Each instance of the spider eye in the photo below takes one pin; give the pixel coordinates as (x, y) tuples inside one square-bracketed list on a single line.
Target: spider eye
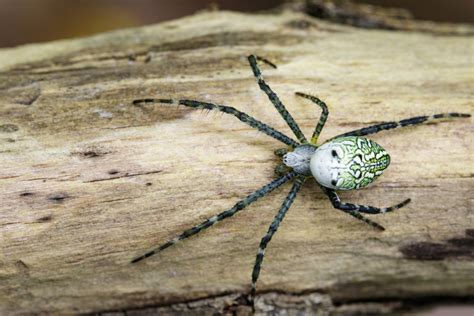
[(334, 182), (334, 153)]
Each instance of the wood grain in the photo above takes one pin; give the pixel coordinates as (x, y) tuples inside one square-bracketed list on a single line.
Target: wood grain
[(89, 181)]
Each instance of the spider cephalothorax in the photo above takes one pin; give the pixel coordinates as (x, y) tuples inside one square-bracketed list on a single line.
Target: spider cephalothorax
[(345, 162)]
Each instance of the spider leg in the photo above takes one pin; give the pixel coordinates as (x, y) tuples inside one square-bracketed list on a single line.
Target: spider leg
[(356, 210), (266, 61), (271, 230), (322, 118), (274, 98), (406, 122), (262, 127), (219, 217)]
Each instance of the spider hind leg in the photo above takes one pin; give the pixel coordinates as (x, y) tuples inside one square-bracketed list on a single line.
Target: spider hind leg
[(355, 210)]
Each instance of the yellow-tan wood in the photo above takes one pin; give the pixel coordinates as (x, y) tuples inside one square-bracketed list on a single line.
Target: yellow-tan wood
[(89, 181)]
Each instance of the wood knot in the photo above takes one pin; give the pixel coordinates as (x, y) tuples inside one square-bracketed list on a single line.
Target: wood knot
[(58, 197)]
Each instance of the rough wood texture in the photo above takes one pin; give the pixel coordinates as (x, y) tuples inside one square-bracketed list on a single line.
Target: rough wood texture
[(89, 181)]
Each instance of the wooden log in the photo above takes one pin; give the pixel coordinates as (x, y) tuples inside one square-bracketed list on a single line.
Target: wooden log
[(89, 181)]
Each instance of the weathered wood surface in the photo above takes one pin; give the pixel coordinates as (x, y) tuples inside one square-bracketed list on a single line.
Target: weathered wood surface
[(89, 181)]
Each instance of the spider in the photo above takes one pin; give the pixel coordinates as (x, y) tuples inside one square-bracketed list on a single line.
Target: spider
[(345, 162)]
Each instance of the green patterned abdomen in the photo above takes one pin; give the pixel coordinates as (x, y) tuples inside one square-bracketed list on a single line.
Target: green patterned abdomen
[(348, 163)]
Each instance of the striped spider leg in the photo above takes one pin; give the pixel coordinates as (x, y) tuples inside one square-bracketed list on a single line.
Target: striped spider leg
[(272, 230), (403, 123), (345, 162), (274, 98), (252, 197)]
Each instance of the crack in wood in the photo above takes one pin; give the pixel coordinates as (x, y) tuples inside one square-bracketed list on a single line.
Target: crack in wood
[(126, 175), (455, 248)]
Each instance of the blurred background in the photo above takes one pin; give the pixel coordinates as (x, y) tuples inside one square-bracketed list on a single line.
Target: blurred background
[(28, 21)]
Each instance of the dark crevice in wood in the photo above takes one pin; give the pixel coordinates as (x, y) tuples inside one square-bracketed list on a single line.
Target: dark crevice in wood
[(454, 248)]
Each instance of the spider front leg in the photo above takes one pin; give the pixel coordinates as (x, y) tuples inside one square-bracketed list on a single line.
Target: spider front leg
[(274, 98), (271, 231), (322, 118), (356, 210), (243, 117), (403, 123)]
